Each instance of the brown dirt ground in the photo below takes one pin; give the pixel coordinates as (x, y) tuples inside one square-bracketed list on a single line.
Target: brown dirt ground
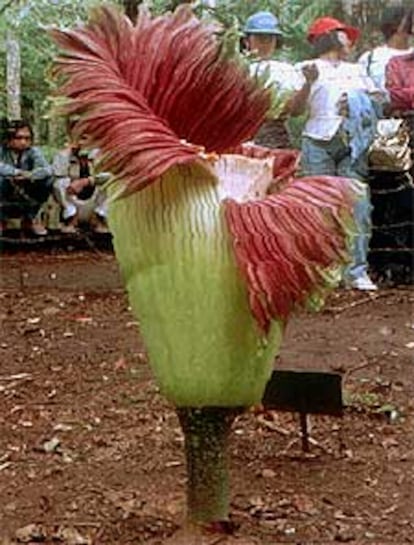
[(90, 453)]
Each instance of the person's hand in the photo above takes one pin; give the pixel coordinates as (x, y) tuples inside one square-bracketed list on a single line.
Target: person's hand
[(310, 72), (76, 186), (342, 104)]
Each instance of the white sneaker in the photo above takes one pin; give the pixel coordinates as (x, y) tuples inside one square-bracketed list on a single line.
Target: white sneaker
[(363, 283)]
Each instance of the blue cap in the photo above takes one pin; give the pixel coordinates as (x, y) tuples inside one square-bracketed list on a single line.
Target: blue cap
[(263, 22)]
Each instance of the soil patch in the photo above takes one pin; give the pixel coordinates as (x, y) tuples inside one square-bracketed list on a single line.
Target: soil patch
[(91, 453)]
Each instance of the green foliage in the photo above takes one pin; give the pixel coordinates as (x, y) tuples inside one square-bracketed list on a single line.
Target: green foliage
[(29, 20), (3, 92), (295, 16), (49, 152)]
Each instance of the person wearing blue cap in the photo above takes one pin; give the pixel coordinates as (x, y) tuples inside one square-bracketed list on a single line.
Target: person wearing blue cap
[(263, 36)]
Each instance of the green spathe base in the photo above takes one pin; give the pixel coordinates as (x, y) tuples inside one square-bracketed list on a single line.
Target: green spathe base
[(184, 286)]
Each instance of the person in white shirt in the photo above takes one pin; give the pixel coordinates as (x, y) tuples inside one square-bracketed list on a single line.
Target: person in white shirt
[(340, 126), (78, 187), (263, 37), (396, 27)]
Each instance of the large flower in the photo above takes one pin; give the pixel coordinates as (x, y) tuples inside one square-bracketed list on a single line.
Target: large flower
[(213, 264)]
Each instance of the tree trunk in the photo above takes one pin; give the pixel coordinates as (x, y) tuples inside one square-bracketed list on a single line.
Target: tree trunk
[(13, 76), (206, 433)]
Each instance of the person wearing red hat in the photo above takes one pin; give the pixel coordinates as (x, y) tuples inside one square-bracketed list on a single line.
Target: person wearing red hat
[(326, 25), (340, 125)]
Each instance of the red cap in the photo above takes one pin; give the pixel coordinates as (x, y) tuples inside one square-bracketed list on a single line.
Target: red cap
[(323, 25)]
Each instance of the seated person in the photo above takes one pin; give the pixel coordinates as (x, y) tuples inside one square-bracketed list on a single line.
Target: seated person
[(77, 190), (25, 179)]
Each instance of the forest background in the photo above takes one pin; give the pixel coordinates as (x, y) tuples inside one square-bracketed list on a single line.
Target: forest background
[(27, 52)]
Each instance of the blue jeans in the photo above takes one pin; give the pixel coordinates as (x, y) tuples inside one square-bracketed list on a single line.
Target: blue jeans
[(333, 158)]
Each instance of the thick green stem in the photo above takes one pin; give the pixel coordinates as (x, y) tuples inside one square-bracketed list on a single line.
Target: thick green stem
[(206, 433)]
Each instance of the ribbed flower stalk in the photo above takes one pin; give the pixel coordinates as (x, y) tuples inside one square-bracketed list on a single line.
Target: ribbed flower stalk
[(206, 433)]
